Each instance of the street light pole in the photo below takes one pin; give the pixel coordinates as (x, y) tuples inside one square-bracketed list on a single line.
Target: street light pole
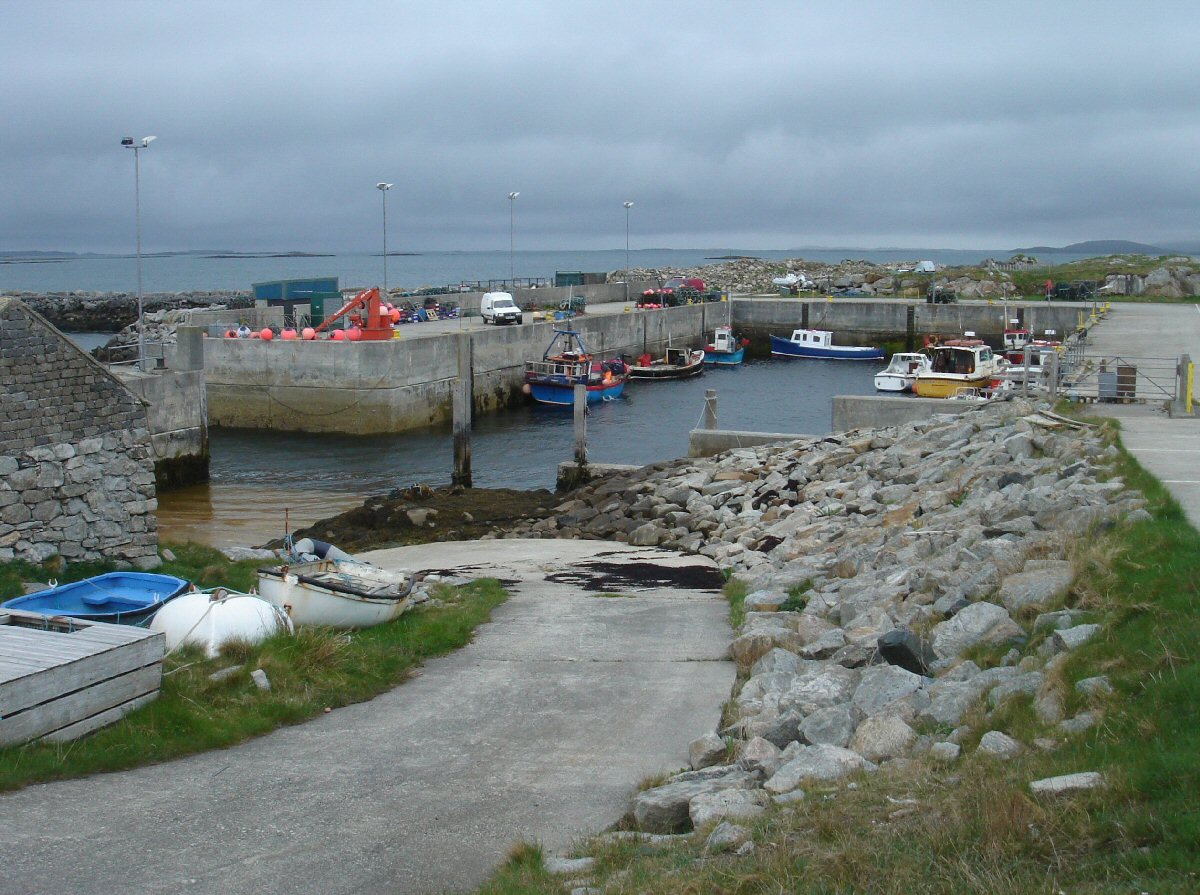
[(628, 205), (137, 146), (383, 191), (512, 278)]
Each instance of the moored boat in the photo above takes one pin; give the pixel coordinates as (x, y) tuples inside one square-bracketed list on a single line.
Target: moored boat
[(958, 365), (336, 592), (677, 363), (818, 343), (725, 350), (123, 598), (211, 619), (901, 372), (566, 363)]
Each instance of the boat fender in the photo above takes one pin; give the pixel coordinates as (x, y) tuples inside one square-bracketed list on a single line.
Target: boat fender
[(320, 549)]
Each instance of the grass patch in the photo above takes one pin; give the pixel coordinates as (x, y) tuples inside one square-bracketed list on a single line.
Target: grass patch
[(735, 591), (316, 669), (608, 595)]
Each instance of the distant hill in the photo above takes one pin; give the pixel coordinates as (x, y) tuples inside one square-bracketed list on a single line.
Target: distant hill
[(1098, 247)]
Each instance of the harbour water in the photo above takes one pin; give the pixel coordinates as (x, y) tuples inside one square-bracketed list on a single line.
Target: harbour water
[(256, 476), (175, 273)]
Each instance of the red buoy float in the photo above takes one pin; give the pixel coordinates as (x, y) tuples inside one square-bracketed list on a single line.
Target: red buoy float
[(338, 335), (308, 333), (354, 334), (266, 335), (287, 334)]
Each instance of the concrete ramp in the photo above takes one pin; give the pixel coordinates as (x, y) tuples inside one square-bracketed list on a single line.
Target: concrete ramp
[(537, 730)]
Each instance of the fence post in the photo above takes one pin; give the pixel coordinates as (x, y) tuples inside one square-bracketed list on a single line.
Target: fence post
[(1184, 386), (581, 426), (710, 408), (1052, 380)]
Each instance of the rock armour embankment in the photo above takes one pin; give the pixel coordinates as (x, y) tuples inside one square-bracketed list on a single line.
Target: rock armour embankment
[(895, 552), (113, 311)]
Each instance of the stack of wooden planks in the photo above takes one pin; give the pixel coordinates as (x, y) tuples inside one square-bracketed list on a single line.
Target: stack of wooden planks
[(62, 677)]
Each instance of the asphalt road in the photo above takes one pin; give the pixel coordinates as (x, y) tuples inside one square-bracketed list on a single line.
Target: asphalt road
[(537, 730)]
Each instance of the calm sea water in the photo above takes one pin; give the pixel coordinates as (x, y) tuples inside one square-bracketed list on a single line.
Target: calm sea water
[(257, 475), (192, 272)]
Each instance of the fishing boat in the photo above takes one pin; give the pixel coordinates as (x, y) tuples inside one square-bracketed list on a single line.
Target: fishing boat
[(567, 363), (958, 365), (212, 618), (901, 372), (123, 598), (725, 350), (339, 593), (818, 343), (1038, 353), (677, 363)]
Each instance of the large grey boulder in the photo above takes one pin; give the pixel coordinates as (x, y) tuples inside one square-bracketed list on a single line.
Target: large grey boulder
[(726, 836), (977, 623), (831, 726), (761, 755), (882, 737), (815, 763), (1073, 638), (775, 661), (907, 650), (1046, 582), (881, 686), (1054, 786), (729, 804), (999, 745), (829, 687), (664, 809), (706, 751), (1025, 684)]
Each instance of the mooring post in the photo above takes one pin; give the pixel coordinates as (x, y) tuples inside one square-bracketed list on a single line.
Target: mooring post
[(710, 408), (1184, 387), (461, 397), (581, 426), (1025, 373), (1052, 376)]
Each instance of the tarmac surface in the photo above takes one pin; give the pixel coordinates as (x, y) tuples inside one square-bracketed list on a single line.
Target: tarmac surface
[(1167, 446), (538, 730)]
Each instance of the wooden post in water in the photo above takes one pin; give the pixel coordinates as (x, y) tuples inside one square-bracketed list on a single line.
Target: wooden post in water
[(462, 391), (581, 426), (710, 408)]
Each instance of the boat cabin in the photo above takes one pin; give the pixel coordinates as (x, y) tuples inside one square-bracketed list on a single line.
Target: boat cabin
[(679, 357), (723, 341), (1015, 339), (907, 363), (814, 338), (960, 360)]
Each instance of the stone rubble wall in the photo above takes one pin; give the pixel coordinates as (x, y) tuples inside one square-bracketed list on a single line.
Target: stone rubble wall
[(1162, 282), (877, 561), (76, 475)]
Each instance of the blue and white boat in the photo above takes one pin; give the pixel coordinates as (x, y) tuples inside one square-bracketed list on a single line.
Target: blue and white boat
[(818, 343), (123, 598), (566, 363), (725, 350)]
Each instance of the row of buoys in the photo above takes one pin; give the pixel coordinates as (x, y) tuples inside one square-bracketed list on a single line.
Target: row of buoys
[(266, 334)]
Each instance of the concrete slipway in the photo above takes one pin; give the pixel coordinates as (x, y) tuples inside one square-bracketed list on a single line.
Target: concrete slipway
[(537, 730)]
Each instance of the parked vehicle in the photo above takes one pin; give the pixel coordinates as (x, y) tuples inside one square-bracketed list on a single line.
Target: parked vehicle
[(498, 308), (124, 598), (818, 343)]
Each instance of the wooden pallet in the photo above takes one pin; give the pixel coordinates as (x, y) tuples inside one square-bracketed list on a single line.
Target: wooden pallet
[(61, 678)]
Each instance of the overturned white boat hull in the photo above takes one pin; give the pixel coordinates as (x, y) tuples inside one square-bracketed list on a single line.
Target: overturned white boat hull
[(337, 593), (212, 619)]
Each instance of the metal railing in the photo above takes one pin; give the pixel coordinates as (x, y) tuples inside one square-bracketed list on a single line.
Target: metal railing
[(1122, 379)]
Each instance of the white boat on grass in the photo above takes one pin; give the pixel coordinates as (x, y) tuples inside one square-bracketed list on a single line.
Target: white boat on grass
[(212, 618), (340, 593), (901, 372)]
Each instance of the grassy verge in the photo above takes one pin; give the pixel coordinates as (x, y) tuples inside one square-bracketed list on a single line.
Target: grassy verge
[(916, 827), (310, 672)]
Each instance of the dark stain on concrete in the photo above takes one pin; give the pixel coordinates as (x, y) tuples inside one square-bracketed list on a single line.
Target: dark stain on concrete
[(611, 576)]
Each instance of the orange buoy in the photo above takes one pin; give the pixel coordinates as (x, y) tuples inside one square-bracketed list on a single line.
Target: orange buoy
[(288, 334), (354, 334), (395, 315), (266, 335), (230, 334), (338, 335), (308, 333)]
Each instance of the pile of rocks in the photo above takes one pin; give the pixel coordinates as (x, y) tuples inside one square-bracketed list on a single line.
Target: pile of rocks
[(1179, 281), (875, 561), (849, 277), (110, 311)]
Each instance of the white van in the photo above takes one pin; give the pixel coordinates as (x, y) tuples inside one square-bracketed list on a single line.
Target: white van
[(499, 307)]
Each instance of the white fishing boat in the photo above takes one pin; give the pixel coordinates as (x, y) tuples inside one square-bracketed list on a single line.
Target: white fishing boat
[(959, 365), (901, 372), (340, 593)]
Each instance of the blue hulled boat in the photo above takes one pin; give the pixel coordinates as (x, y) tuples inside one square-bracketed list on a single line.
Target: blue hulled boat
[(124, 598), (818, 343), (726, 350), (566, 363)]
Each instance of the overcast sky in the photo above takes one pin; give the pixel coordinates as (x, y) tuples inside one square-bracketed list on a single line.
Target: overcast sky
[(771, 124)]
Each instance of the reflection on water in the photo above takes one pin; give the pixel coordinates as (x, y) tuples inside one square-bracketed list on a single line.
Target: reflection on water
[(256, 475)]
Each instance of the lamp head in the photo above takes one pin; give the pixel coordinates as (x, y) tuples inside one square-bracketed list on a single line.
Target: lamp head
[(513, 195), (128, 141), (629, 205), (146, 141), (383, 186)]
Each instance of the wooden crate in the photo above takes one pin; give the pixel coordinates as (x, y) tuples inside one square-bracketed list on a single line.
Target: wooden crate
[(61, 678)]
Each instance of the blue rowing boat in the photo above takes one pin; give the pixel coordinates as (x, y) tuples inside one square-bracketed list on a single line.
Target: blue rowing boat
[(566, 363), (818, 343), (123, 598)]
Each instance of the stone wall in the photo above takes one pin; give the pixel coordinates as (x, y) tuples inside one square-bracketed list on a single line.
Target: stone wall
[(76, 477)]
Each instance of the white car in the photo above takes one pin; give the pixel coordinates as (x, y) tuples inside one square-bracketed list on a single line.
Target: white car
[(498, 307)]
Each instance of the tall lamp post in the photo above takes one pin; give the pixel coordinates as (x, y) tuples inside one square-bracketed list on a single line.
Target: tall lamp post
[(383, 191), (628, 205), (512, 279), (137, 146)]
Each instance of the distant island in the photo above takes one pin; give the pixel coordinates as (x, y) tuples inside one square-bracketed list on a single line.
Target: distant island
[(1097, 247)]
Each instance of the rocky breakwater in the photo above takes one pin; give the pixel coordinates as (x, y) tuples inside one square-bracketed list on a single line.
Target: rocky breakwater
[(112, 311), (1172, 281), (905, 584), (849, 277)]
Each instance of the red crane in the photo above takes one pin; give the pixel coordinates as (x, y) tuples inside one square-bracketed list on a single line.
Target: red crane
[(375, 323)]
